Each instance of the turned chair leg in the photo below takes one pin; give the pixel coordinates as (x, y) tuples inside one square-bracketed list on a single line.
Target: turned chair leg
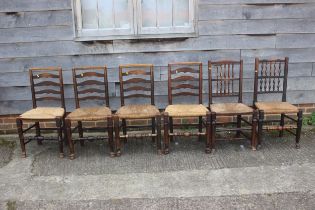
[(254, 131), (208, 133), (238, 125), (70, 141), (213, 129), (80, 130), (298, 129), (117, 136), (124, 127), (200, 128), (153, 128), (281, 124), (110, 136), (171, 128), (19, 125), (260, 125), (166, 133), (60, 139), (158, 139), (38, 134)]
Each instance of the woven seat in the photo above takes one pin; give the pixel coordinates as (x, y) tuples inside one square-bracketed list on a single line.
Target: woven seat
[(43, 113), (137, 111), (186, 110), (90, 114), (276, 107), (231, 108)]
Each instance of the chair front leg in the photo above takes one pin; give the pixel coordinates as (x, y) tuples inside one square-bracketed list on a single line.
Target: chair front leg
[(238, 125), (117, 136), (37, 127), (200, 128), (153, 128), (19, 125), (80, 130), (124, 127), (208, 133), (158, 139), (166, 133), (110, 136), (171, 129), (298, 129), (254, 131), (70, 141), (60, 139), (281, 125), (213, 129), (260, 125)]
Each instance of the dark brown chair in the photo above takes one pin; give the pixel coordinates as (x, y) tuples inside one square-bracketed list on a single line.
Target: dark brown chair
[(185, 80), (46, 85), (90, 85), (137, 82), (271, 78), (226, 81)]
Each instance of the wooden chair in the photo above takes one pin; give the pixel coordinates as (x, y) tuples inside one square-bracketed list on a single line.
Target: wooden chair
[(226, 81), (46, 85), (185, 80), (137, 81), (271, 78), (87, 81)]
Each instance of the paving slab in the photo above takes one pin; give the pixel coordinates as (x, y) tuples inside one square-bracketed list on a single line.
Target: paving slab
[(277, 176)]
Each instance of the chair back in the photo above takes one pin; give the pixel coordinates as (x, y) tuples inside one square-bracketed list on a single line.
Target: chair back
[(271, 77), (136, 81), (225, 79), (185, 79), (47, 85), (90, 83)]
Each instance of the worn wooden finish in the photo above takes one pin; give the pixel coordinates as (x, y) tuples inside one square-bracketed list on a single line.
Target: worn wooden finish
[(271, 77), (44, 94), (222, 78), (84, 81), (178, 75), (137, 82)]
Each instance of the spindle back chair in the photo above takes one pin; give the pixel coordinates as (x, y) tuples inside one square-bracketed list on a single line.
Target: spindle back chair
[(271, 77), (226, 81)]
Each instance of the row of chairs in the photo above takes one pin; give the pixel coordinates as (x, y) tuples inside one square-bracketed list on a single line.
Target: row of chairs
[(185, 81)]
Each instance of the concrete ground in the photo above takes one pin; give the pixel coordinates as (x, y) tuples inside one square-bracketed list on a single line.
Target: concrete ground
[(277, 176)]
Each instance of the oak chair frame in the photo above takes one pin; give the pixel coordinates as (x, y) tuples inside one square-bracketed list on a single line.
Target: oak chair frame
[(270, 83), (168, 121), (156, 121), (86, 73), (226, 76), (49, 73)]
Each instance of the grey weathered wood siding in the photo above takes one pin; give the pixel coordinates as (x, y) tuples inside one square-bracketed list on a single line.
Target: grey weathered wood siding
[(39, 33)]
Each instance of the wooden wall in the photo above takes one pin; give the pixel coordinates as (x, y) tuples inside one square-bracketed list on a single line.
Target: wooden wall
[(39, 33)]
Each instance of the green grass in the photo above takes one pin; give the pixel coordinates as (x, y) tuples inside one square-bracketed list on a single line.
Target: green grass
[(309, 120)]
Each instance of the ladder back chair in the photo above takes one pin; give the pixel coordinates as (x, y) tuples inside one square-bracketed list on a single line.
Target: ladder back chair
[(185, 79), (271, 78), (46, 86), (90, 85), (136, 83), (226, 81)]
